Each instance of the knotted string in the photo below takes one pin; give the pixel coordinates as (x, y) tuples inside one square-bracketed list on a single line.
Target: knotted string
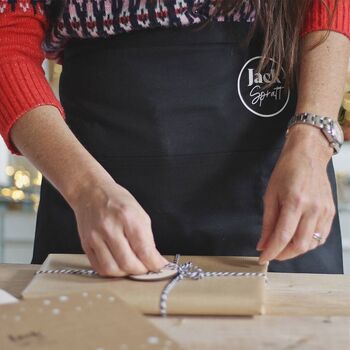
[(190, 271), (184, 271)]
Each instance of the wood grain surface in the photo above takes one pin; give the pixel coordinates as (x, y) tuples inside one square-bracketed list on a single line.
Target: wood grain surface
[(303, 311)]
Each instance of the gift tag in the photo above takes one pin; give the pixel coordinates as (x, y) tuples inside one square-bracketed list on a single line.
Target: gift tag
[(165, 273)]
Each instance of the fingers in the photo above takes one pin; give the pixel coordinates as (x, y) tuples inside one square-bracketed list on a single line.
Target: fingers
[(302, 239), (116, 233), (112, 256), (123, 254), (92, 258), (141, 240), (269, 221), (326, 221), (286, 225), (315, 220), (101, 258), (323, 226), (314, 243)]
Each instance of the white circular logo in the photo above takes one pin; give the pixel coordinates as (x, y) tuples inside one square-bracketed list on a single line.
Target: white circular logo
[(263, 103)]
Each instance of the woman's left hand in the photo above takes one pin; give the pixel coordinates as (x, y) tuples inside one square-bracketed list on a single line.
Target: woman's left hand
[(298, 200)]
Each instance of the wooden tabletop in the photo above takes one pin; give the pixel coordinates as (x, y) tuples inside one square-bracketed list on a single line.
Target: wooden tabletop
[(303, 311)]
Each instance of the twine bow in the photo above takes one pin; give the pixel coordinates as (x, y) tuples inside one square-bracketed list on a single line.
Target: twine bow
[(190, 271)]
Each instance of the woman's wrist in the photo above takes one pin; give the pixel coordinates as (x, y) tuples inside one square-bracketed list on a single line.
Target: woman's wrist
[(310, 141), (87, 181)]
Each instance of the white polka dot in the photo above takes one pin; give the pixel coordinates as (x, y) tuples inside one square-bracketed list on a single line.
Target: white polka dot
[(56, 311), (123, 347), (78, 308), (98, 296), (111, 299), (63, 298), (46, 302), (17, 318), (85, 294), (100, 349), (153, 340)]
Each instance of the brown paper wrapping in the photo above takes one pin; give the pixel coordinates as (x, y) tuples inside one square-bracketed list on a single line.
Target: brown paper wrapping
[(80, 321), (208, 296)]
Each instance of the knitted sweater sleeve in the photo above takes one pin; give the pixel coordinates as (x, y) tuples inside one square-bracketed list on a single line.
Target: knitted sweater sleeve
[(23, 85), (317, 17)]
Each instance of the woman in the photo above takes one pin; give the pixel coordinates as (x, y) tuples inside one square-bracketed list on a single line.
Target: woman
[(174, 140)]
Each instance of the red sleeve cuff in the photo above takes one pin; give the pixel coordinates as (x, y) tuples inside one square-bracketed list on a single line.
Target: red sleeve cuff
[(23, 87), (317, 17)]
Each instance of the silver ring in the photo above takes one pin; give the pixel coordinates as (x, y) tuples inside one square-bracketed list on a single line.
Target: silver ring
[(317, 236)]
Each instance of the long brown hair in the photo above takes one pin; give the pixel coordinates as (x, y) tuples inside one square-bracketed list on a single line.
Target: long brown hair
[(282, 22)]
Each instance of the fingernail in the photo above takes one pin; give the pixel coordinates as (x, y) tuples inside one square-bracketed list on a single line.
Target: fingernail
[(262, 261), (262, 257)]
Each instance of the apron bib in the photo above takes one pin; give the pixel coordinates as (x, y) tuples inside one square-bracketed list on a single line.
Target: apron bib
[(178, 117)]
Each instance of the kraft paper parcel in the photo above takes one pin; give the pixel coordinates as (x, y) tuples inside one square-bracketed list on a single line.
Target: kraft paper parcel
[(226, 295), (81, 321)]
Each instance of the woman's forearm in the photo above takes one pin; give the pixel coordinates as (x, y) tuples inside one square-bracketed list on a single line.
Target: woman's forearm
[(322, 74), (114, 230), (298, 201), (43, 137)]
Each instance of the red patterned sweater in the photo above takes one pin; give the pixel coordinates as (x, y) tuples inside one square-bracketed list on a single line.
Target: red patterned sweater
[(26, 38)]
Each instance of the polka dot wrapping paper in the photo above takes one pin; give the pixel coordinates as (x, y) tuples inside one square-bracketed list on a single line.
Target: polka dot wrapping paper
[(94, 320)]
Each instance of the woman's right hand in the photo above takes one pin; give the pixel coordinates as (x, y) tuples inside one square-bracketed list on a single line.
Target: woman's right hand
[(115, 231)]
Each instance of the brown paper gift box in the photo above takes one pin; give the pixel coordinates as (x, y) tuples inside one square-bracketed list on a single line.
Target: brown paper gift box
[(231, 295), (80, 321)]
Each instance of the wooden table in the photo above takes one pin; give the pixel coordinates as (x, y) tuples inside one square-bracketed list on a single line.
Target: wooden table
[(304, 311)]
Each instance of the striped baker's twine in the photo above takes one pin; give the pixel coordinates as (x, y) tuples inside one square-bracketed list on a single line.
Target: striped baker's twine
[(69, 272), (186, 270), (190, 271)]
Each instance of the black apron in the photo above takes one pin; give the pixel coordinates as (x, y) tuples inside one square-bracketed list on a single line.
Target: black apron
[(177, 116)]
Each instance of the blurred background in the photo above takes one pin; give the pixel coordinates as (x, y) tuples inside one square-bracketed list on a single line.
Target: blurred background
[(20, 187)]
